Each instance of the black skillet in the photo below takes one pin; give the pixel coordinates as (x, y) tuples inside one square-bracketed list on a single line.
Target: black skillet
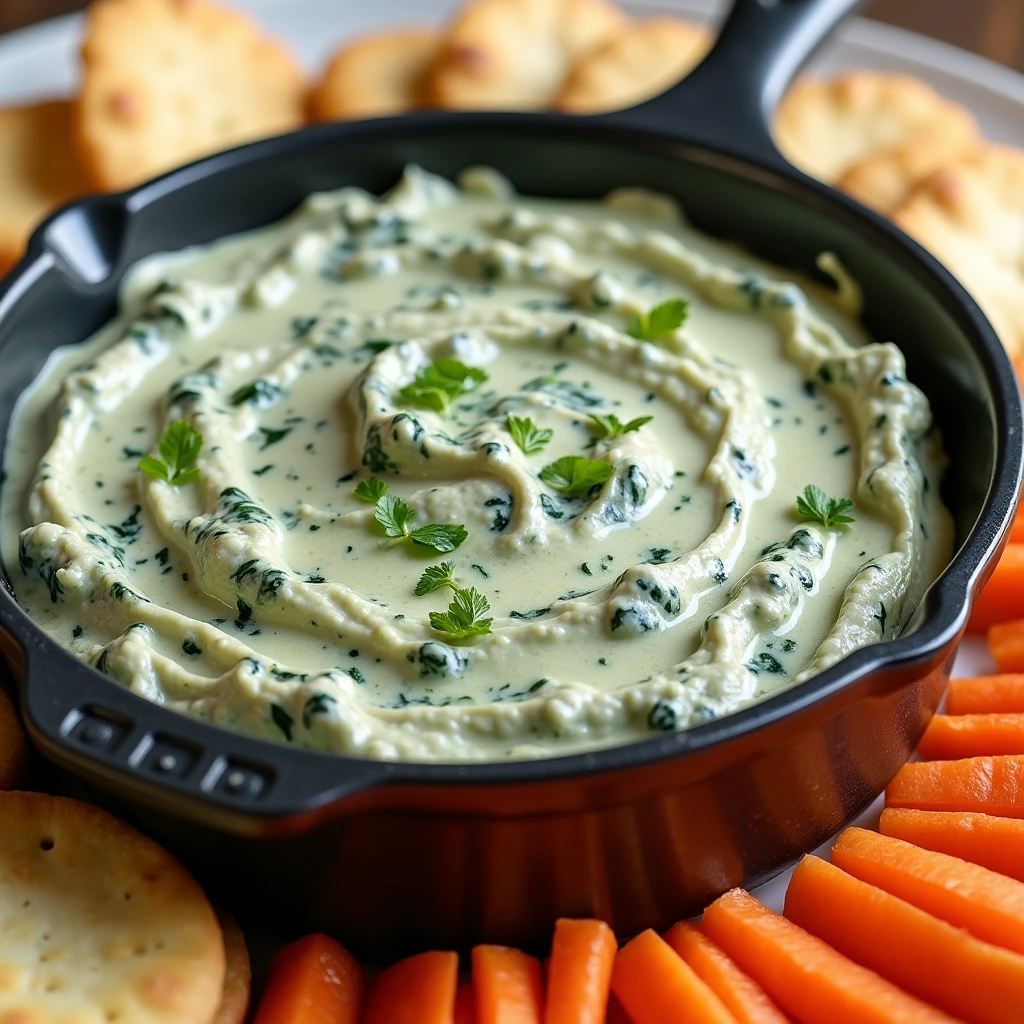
[(393, 856)]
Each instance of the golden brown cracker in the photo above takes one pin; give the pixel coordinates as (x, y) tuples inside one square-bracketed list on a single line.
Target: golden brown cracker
[(13, 749), (38, 171), (98, 923), (517, 54), (376, 75), (828, 126), (637, 63), (971, 216), (234, 1004), (167, 81)]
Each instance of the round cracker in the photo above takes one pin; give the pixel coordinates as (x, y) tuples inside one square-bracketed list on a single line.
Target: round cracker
[(99, 924), (38, 171), (827, 127), (517, 54), (13, 748), (377, 75), (638, 63), (168, 81), (971, 216), (234, 1004)]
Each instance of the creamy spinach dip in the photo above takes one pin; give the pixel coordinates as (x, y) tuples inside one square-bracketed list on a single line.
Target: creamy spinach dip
[(593, 421)]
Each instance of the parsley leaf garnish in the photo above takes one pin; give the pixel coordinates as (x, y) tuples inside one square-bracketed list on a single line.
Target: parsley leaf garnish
[(396, 517), (611, 426), (815, 506), (663, 319), (527, 435), (435, 577), (464, 617), (180, 445), (436, 386), (371, 490), (574, 476)]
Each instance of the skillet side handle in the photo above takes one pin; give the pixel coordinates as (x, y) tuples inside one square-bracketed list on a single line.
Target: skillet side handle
[(727, 101)]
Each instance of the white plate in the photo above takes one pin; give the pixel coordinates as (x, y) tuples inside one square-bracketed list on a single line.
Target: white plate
[(41, 61)]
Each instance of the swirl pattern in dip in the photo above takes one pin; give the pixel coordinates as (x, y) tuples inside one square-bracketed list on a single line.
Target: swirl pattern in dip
[(263, 595)]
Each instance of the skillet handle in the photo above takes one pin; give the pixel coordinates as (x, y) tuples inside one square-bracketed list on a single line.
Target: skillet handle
[(727, 101)]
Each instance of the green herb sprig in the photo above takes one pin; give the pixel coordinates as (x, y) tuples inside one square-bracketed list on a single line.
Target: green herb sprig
[(661, 320), (396, 517), (438, 385), (180, 445), (815, 506), (371, 490), (575, 476), (465, 615), (610, 427), (527, 435), (435, 577)]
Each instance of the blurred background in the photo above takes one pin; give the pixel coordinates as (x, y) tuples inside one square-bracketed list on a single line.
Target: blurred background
[(993, 28)]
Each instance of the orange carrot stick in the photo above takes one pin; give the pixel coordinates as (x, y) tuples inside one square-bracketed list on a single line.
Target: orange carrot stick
[(656, 986), (989, 906), (419, 990), (507, 986), (580, 972), (1006, 645), (991, 785), (312, 981), (994, 843), (986, 695), (1017, 531), (465, 1005), (742, 996), (1003, 596), (805, 977), (926, 957), (954, 736)]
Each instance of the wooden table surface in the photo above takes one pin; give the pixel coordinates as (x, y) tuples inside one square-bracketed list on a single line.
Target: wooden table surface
[(994, 28)]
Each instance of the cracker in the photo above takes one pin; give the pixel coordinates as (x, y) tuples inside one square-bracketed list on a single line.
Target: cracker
[(12, 743), (897, 125), (517, 54), (377, 75), (638, 63), (971, 216), (234, 1002), (38, 171), (98, 924), (167, 81)]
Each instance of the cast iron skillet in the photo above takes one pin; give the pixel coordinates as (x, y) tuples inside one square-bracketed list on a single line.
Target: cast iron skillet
[(391, 856)]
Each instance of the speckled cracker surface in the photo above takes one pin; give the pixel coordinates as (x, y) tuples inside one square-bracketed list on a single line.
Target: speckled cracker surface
[(98, 924), (517, 54), (876, 135), (38, 171), (637, 63), (377, 75), (167, 81), (971, 216)]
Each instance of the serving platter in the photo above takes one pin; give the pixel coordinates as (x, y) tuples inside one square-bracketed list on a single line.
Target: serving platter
[(41, 62)]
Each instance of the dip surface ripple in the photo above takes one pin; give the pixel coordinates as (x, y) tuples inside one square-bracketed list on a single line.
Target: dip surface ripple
[(670, 585)]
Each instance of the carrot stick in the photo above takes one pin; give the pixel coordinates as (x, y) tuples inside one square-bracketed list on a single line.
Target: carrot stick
[(507, 985), (1003, 596), (954, 736), (465, 1005), (616, 1014), (991, 785), (1017, 530), (656, 986), (989, 906), (1006, 645), (940, 964), (985, 695), (580, 973), (419, 990), (312, 981), (805, 977), (742, 996), (994, 843)]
